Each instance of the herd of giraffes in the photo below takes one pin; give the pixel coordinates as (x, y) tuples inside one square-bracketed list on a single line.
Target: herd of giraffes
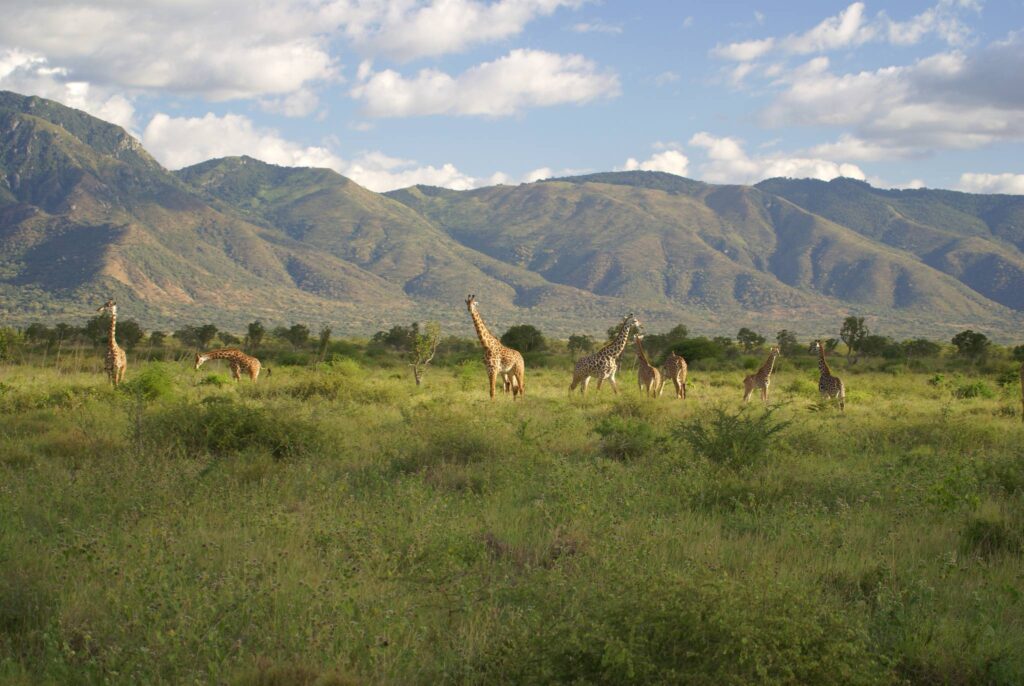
[(501, 360)]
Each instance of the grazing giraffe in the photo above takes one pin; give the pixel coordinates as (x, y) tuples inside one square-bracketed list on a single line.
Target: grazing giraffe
[(498, 359), (674, 368), (237, 360), (647, 375), (115, 362), (828, 385), (762, 378), (605, 362)]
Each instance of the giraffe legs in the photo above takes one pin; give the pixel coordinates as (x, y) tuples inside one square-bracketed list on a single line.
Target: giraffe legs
[(492, 377)]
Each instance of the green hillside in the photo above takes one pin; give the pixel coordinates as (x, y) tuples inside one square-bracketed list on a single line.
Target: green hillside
[(86, 213)]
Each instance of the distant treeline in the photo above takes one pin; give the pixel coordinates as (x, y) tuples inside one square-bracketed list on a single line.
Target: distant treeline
[(299, 344)]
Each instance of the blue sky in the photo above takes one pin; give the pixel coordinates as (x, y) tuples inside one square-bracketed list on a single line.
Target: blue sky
[(464, 93)]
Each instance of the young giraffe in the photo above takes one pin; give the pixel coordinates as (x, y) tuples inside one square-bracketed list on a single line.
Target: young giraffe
[(497, 358), (828, 385), (675, 369), (237, 360), (647, 375), (762, 378), (115, 362), (605, 362)]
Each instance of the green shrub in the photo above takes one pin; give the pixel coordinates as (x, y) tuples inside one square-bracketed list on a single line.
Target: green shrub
[(974, 389), (989, 537), (626, 438), (223, 426), (217, 380), (152, 382), (738, 438)]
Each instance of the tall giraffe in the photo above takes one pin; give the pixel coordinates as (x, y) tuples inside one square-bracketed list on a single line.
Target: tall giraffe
[(237, 361), (647, 375), (674, 368), (828, 385), (605, 362), (115, 362), (498, 359), (762, 378)]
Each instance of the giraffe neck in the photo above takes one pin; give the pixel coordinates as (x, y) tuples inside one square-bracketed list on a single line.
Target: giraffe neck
[(221, 353), (768, 366), (822, 364), (111, 333), (619, 344), (486, 338), (640, 351)]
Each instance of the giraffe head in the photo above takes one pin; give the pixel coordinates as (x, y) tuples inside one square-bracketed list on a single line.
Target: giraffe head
[(816, 346), (110, 306), (630, 321), (775, 350), (471, 302), (200, 359)]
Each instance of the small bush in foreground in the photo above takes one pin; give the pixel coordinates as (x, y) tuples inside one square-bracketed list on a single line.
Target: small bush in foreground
[(153, 382), (626, 438), (975, 389), (738, 438), (990, 537)]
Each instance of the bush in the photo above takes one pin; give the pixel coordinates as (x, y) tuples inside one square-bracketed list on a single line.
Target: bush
[(222, 426), (153, 382), (626, 438), (974, 389), (989, 537), (217, 380), (738, 438)]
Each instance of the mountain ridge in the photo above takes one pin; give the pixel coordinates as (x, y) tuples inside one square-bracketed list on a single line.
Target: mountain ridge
[(85, 211)]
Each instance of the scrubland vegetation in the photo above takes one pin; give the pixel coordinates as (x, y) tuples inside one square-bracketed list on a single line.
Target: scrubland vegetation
[(337, 524)]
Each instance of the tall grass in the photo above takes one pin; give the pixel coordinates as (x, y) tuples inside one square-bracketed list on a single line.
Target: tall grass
[(339, 525)]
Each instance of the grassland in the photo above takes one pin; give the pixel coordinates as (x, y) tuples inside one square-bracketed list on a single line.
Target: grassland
[(336, 524)]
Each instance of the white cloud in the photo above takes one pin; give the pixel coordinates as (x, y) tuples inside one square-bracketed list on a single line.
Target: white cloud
[(31, 74), (992, 183), (665, 78), (301, 103), (729, 163), (181, 141), (671, 161), (406, 30), (851, 28), (521, 79), (380, 172), (241, 50), (946, 101), (597, 27), (745, 51)]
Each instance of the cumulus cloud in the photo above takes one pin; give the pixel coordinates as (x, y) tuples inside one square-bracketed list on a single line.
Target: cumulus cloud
[(671, 161), (992, 183), (852, 27), (301, 103), (946, 101), (181, 141), (406, 30), (521, 79), (241, 50), (727, 162), (32, 74)]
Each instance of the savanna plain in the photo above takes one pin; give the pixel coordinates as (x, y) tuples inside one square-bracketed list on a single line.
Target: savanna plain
[(337, 524)]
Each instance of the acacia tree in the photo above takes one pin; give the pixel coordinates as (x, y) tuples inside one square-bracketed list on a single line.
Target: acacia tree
[(422, 347), (853, 333), (255, 334), (749, 340), (971, 344), (580, 343)]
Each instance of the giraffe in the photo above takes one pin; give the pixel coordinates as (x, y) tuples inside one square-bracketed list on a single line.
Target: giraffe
[(497, 358), (237, 360), (762, 378), (674, 368), (829, 386), (605, 362), (115, 362), (647, 375)]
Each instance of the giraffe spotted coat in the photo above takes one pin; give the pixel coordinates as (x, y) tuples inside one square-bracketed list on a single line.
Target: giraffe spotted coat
[(498, 359), (237, 361), (605, 362)]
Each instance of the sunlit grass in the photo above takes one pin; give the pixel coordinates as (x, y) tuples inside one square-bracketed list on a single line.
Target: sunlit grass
[(341, 523)]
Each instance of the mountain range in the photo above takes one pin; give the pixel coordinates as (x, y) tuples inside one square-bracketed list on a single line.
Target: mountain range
[(86, 214)]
